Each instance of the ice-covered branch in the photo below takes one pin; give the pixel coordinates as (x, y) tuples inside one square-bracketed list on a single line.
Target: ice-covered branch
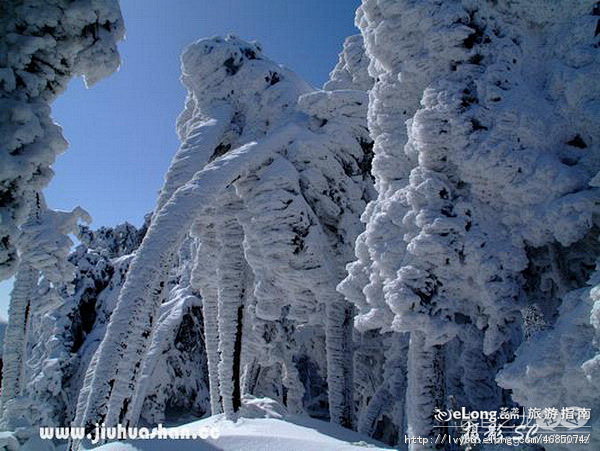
[(44, 247)]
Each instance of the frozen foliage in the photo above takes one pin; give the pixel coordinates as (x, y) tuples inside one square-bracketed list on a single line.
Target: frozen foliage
[(44, 246), (269, 181), (58, 317), (174, 379), (558, 367), (116, 241), (68, 320), (486, 140), (473, 282), (352, 69), (177, 384), (42, 45)]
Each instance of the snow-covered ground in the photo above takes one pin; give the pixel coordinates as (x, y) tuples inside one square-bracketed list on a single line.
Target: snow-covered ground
[(294, 433)]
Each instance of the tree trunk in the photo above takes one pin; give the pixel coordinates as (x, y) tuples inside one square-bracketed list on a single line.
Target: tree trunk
[(338, 336), (425, 389), (15, 341), (231, 293)]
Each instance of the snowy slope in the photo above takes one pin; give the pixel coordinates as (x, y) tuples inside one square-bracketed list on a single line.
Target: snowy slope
[(260, 434)]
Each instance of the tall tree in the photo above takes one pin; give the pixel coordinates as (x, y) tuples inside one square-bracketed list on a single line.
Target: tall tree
[(473, 173), (44, 245), (43, 45), (280, 193)]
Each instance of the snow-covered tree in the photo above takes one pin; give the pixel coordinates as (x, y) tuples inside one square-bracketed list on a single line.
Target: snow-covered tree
[(478, 161), (68, 319), (174, 379), (474, 277), (352, 69), (120, 240), (270, 181), (44, 246), (60, 335), (43, 44)]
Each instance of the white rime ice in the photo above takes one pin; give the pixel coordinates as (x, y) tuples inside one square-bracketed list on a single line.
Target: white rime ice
[(66, 320), (486, 140), (43, 44), (352, 69), (44, 246), (269, 181), (462, 133)]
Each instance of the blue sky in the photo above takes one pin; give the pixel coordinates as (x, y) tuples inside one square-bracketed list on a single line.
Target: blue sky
[(122, 133)]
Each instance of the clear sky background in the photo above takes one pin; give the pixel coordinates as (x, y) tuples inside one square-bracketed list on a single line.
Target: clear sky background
[(122, 131)]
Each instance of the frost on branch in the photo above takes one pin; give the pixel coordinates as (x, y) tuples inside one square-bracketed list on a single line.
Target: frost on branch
[(66, 320), (174, 379), (43, 45), (269, 181), (485, 144), (117, 241), (352, 69), (44, 246), (474, 274)]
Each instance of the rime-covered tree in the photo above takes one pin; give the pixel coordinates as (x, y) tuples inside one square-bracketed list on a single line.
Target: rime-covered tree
[(44, 246), (66, 320), (270, 181), (43, 44), (352, 69), (475, 282), (478, 161)]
